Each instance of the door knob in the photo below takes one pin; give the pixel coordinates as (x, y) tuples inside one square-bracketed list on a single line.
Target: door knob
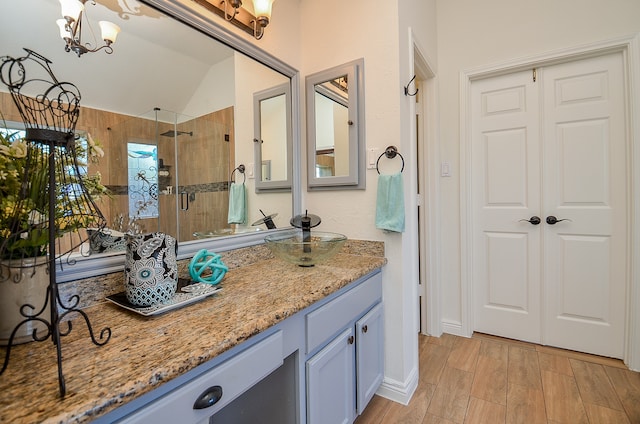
[(552, 220), (534, 220)]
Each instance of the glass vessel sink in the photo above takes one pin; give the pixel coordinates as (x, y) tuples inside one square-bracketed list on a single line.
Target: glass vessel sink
[(292, 246)]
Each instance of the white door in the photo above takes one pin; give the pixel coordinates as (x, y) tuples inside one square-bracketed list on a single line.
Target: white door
[(506, 191), (584, 170), (551, 149)]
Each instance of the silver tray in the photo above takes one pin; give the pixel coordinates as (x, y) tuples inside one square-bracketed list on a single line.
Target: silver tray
[(187, 294)]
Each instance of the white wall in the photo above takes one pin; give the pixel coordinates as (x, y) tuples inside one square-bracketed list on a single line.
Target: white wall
[(473, 34), (252, 77), (273, 132), (215, 92), (379, 35)]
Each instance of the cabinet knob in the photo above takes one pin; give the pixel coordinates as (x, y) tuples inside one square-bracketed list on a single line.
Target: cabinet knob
[(350, 340), (208, 398), (365, 328)]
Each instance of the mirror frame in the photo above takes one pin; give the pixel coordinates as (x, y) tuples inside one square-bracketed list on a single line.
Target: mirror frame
[(79, 267), (356, 179), (260, 184)]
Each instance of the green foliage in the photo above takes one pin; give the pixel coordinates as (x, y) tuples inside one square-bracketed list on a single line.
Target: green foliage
[(23, 195)]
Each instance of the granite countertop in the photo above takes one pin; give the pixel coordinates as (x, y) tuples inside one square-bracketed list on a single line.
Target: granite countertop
[(144, 352)]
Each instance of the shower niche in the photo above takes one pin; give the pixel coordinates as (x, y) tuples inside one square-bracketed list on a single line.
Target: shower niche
[(169, 172)]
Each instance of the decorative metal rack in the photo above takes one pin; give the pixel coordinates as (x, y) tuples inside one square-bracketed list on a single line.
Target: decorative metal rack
[(50, 119)]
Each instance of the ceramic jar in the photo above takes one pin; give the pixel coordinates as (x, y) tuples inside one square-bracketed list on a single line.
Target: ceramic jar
[(23, 282), (150, 269)]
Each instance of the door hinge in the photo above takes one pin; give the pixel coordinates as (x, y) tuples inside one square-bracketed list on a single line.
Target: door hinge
[(535, 74)]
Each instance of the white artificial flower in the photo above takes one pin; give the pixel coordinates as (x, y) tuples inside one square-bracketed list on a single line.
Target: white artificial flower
[(98, 151), (93, 148), (19, 149), (36, 218)]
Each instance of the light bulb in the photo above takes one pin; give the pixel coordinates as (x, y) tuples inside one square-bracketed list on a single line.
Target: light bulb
[(109, 31), (71, 9)]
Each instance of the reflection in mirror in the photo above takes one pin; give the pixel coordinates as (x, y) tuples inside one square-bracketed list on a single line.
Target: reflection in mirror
[(335, 111), (173, 110), (332, 136), (273, 138), (170, 172)]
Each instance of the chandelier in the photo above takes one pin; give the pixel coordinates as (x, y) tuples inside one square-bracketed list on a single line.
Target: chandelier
[(71, 29)]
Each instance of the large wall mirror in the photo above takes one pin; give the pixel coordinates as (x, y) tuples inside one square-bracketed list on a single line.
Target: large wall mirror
[(173, 110), (335, 128)]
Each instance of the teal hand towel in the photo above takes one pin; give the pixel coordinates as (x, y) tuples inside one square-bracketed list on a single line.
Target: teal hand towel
[(390, 203), (237, 204)]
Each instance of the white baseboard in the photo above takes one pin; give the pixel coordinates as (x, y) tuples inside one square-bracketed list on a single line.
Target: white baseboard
[(455, 328), (398, 391)]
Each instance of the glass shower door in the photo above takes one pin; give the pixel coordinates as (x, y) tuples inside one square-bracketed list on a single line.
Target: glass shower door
[(169, 173), (203, 157)]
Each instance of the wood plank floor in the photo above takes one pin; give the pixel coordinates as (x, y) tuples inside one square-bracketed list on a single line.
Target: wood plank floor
[(490, 380)]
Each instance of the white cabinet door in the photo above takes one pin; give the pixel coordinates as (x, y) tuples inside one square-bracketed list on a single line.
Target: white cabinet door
[(331, 382), (369, 356)]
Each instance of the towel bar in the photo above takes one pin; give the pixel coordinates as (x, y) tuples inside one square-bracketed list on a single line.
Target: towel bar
[(240, 169), (390, 152)]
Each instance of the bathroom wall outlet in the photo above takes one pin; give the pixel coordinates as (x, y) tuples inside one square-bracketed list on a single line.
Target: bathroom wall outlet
[(372, 157)]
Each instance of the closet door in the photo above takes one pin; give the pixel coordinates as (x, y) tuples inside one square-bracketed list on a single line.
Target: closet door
[(550, 205), (585, 170), (506, 198)]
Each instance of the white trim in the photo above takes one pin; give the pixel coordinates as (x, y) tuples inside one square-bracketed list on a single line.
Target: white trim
[(632, 54), (398, 391), (453, 327), (630, 47), (466, 301), (430, 215), (410, 261)]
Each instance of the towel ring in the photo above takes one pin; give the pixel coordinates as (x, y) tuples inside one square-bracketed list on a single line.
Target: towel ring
[(240, 169), (390, 152)]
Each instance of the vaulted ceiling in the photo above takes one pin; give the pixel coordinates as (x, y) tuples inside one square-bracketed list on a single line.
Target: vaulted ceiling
[(157, 61)]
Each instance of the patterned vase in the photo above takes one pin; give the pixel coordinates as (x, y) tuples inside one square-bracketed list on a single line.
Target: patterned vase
[(150, 269)]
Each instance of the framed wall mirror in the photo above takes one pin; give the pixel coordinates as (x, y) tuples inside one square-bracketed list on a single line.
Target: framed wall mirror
[(174, 103), (273, 141), (335, 128)]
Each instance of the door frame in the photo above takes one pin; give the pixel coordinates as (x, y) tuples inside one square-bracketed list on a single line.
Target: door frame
[(630, 48), (424, 123)]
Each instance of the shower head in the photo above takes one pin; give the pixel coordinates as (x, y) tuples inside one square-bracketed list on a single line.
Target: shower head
[(172, 133)]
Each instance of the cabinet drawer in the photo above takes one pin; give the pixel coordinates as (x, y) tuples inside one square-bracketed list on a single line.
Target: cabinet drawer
[(234, 376), (329, 319)]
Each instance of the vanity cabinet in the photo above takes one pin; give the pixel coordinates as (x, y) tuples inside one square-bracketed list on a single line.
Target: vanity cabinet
[(344, 374), (321, 365), (198, 399), (369, 356)]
